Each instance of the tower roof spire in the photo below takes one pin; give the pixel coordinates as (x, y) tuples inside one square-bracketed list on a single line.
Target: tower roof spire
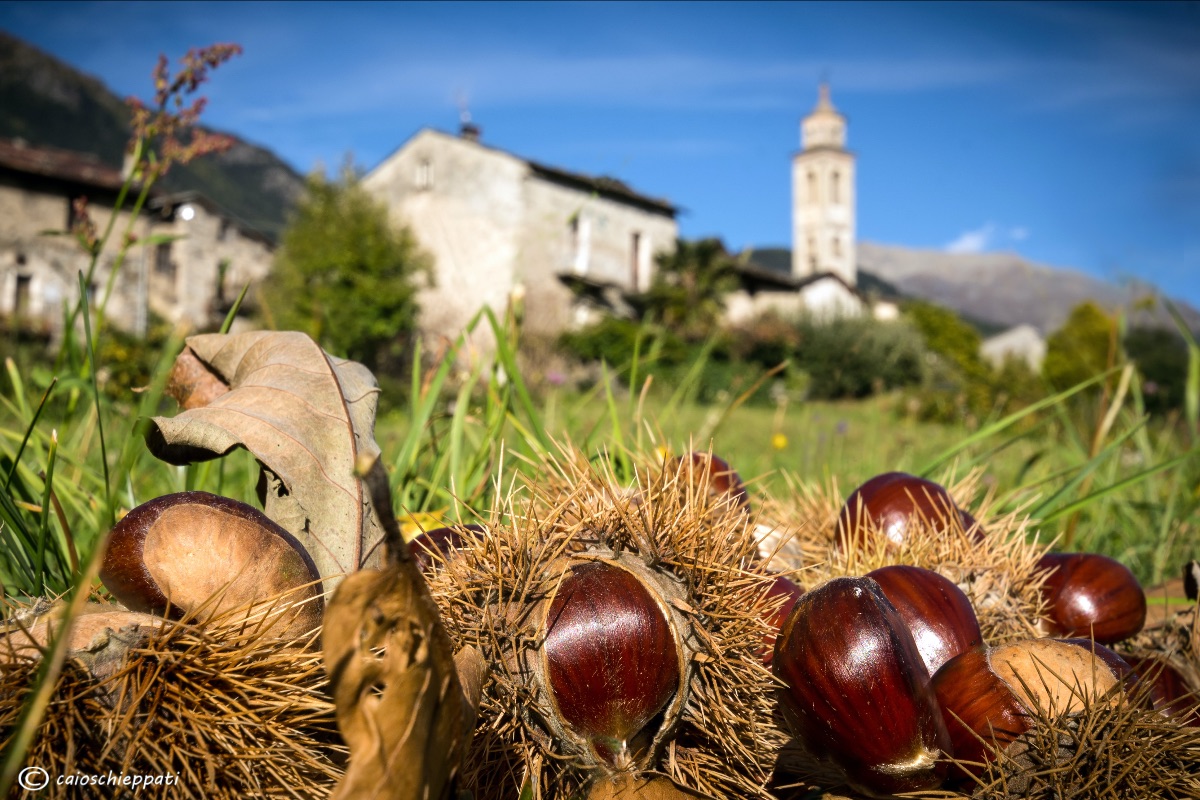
[(824, 103)]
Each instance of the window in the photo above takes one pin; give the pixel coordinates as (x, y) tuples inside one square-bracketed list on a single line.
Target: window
[(581, 235), (812, 254), (812, 186), (223, 230), (635, 259), (835, 186), (163, 265), (424, 174), (21, 296), (73, 204), (837, 247)]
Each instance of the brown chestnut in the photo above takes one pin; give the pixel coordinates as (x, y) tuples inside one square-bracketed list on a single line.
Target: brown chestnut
[(857, 692), (1172, 695), (613, 665), (1092, 595), (786, 588), (178, 552), (892, 502), (938, 613), (433, 547), (989, 697), (712, 474)]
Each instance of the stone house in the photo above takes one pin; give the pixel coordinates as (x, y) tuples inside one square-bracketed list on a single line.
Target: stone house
[(189, 279), (1022, 342), (500, 226)]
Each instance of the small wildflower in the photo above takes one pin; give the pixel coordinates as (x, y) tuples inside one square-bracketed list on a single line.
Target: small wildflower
[(83, 228), (779, 441), (663, 452), (842, 427)]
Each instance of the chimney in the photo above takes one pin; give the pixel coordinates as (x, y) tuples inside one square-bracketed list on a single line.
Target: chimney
[(469, 131)]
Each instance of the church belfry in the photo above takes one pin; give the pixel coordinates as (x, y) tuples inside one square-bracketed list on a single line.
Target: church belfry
[(823, 195)]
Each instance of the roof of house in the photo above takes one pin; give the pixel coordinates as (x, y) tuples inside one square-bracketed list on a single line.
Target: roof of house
[(173, 201), (65, 165), (602, 185)]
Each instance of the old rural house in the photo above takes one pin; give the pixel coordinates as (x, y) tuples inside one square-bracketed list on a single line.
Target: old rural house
[(498, 224), (190, 279)]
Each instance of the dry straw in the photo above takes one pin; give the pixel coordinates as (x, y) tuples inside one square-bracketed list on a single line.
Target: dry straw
[(226, 708)]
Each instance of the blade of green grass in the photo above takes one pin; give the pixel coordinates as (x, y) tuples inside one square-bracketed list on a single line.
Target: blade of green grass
[(1132, 480)]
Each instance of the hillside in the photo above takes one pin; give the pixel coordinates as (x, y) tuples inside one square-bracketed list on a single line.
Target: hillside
[(1004, 289), (47, 102)]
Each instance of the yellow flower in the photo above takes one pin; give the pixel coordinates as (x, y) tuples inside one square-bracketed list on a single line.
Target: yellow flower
[(663, 452), (778, 441)]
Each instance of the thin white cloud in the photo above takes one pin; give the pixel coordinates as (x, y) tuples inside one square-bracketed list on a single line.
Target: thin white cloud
[(1018, 233), (974, 241)]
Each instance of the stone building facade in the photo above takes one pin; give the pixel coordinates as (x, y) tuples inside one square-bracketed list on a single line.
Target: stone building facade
[(190, 279), (496, 224)]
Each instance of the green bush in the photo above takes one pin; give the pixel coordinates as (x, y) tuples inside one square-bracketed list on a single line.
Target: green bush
[(856, 357), (1161, 356), (1081, 348)]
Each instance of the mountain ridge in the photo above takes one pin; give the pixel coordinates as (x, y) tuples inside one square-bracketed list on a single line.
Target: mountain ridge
[(47, 102)]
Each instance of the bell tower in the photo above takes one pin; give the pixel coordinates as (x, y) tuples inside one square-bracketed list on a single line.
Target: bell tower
[(823, 195)]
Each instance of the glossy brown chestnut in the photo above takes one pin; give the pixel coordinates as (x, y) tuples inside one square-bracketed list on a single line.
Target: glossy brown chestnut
[(431, 548), (1172, 695), (714, 474), (857, 691), (937, 612), (175, 553), (989, 697), (893, 504), (612, 660), (1093, 596), (790, 591)]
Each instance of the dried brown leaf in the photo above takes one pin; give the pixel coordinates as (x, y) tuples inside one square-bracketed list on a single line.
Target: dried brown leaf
[(305, 415), (400, 706)]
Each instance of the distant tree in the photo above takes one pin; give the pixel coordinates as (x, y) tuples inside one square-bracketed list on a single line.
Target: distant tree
[(345, 274), (1081, 348), (947, 335), (688, 292)]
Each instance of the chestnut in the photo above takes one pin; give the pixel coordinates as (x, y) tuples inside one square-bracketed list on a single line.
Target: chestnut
[(936, 611), (857, 692), (433, 547), (176, 553), (712, 474), (989, 697), (1172, 695), (612, 663), (890, 504), (1091, 595), (790, 591)]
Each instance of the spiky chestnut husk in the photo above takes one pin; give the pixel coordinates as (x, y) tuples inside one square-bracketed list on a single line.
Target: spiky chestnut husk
[(857, 692), (894, 505), (1088, 594), (494, 593), (997, 572), (1110, 747), (167, 710), (937, 612), (991, 696), (712, 474), (431, 548), (616, 658)]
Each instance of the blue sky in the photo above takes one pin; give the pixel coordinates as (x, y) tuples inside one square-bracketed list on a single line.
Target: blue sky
[(1069, 133)]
